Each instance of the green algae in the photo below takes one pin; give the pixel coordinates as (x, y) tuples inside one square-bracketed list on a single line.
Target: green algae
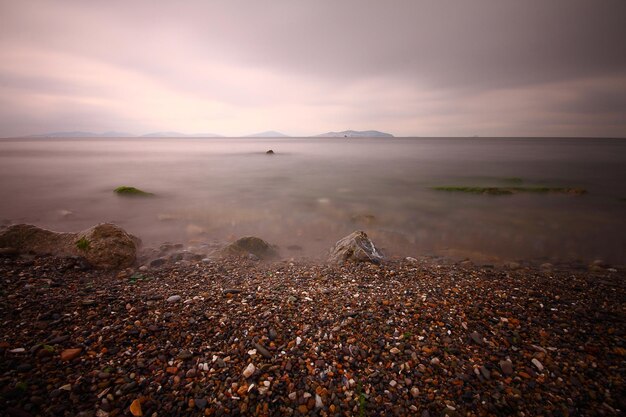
[(512, 190), (131, 191)]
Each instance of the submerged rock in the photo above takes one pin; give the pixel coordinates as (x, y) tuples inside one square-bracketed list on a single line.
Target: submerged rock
[(355, 247), (250, 245), (105, 246)]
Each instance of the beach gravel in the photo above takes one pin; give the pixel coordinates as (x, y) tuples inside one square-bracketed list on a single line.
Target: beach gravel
[(244, 337)]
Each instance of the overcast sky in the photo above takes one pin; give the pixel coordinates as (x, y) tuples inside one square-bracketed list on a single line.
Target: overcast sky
[(411, 68)]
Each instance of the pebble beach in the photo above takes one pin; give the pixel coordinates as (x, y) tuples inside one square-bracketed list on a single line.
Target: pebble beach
[(226, 337)]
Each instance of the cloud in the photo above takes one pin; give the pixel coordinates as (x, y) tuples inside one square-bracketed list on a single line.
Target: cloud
[(487, 67)]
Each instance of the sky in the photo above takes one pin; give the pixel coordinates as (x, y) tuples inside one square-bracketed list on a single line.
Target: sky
[(410, 68)]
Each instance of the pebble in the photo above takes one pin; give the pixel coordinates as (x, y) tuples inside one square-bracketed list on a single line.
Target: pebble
[(477, 338), (318, 401), (174, 298), (200, 403), (485, 372), (69, 354), (262, 350), (184, 355), (272, 334), (507, 367), (537, 364), (158, 262), (250, 369)]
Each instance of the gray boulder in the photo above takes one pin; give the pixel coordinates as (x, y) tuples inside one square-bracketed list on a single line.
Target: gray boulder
[(104, 246), (250, 245), (355, 247)]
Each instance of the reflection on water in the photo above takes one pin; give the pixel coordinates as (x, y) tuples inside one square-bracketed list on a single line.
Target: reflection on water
[(314, 191)]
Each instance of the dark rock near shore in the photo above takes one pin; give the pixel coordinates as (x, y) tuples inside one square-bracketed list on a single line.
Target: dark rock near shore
[(270, 152), (250, 245), (105, 246), (355, 247)]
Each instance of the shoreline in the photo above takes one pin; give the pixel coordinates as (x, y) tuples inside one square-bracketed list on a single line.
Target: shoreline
[(419, 338)]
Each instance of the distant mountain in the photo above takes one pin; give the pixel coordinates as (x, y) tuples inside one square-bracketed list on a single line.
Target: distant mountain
[(356, 134), (163, 135), (268, 134), (205, 135), (75, 134), (179, 135)]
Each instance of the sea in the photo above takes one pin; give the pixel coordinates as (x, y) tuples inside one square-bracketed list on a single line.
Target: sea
[(313, 191)]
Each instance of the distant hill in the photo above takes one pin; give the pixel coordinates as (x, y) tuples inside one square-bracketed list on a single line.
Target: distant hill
[(179, 135), (75, 134), (163, 135), (356, 134), (268, 134), (78, 134)]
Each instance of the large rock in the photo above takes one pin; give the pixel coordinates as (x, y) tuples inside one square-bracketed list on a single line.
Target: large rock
[(104, 246), (355, 247), (250, 245)]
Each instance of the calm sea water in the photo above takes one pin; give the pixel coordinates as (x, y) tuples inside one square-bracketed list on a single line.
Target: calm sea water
[(314, 191)]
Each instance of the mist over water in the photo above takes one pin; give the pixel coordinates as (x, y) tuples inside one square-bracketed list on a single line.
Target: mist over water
[(313, 191)]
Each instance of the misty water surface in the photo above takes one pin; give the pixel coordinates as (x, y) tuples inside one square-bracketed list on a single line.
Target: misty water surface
[(314, 191)]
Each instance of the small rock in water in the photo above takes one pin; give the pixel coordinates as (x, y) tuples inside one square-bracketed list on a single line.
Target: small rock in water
[(174, 299), (250, 369), (270, 152), (17, 350), (394, 350), (143, 268), (538, 364)]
